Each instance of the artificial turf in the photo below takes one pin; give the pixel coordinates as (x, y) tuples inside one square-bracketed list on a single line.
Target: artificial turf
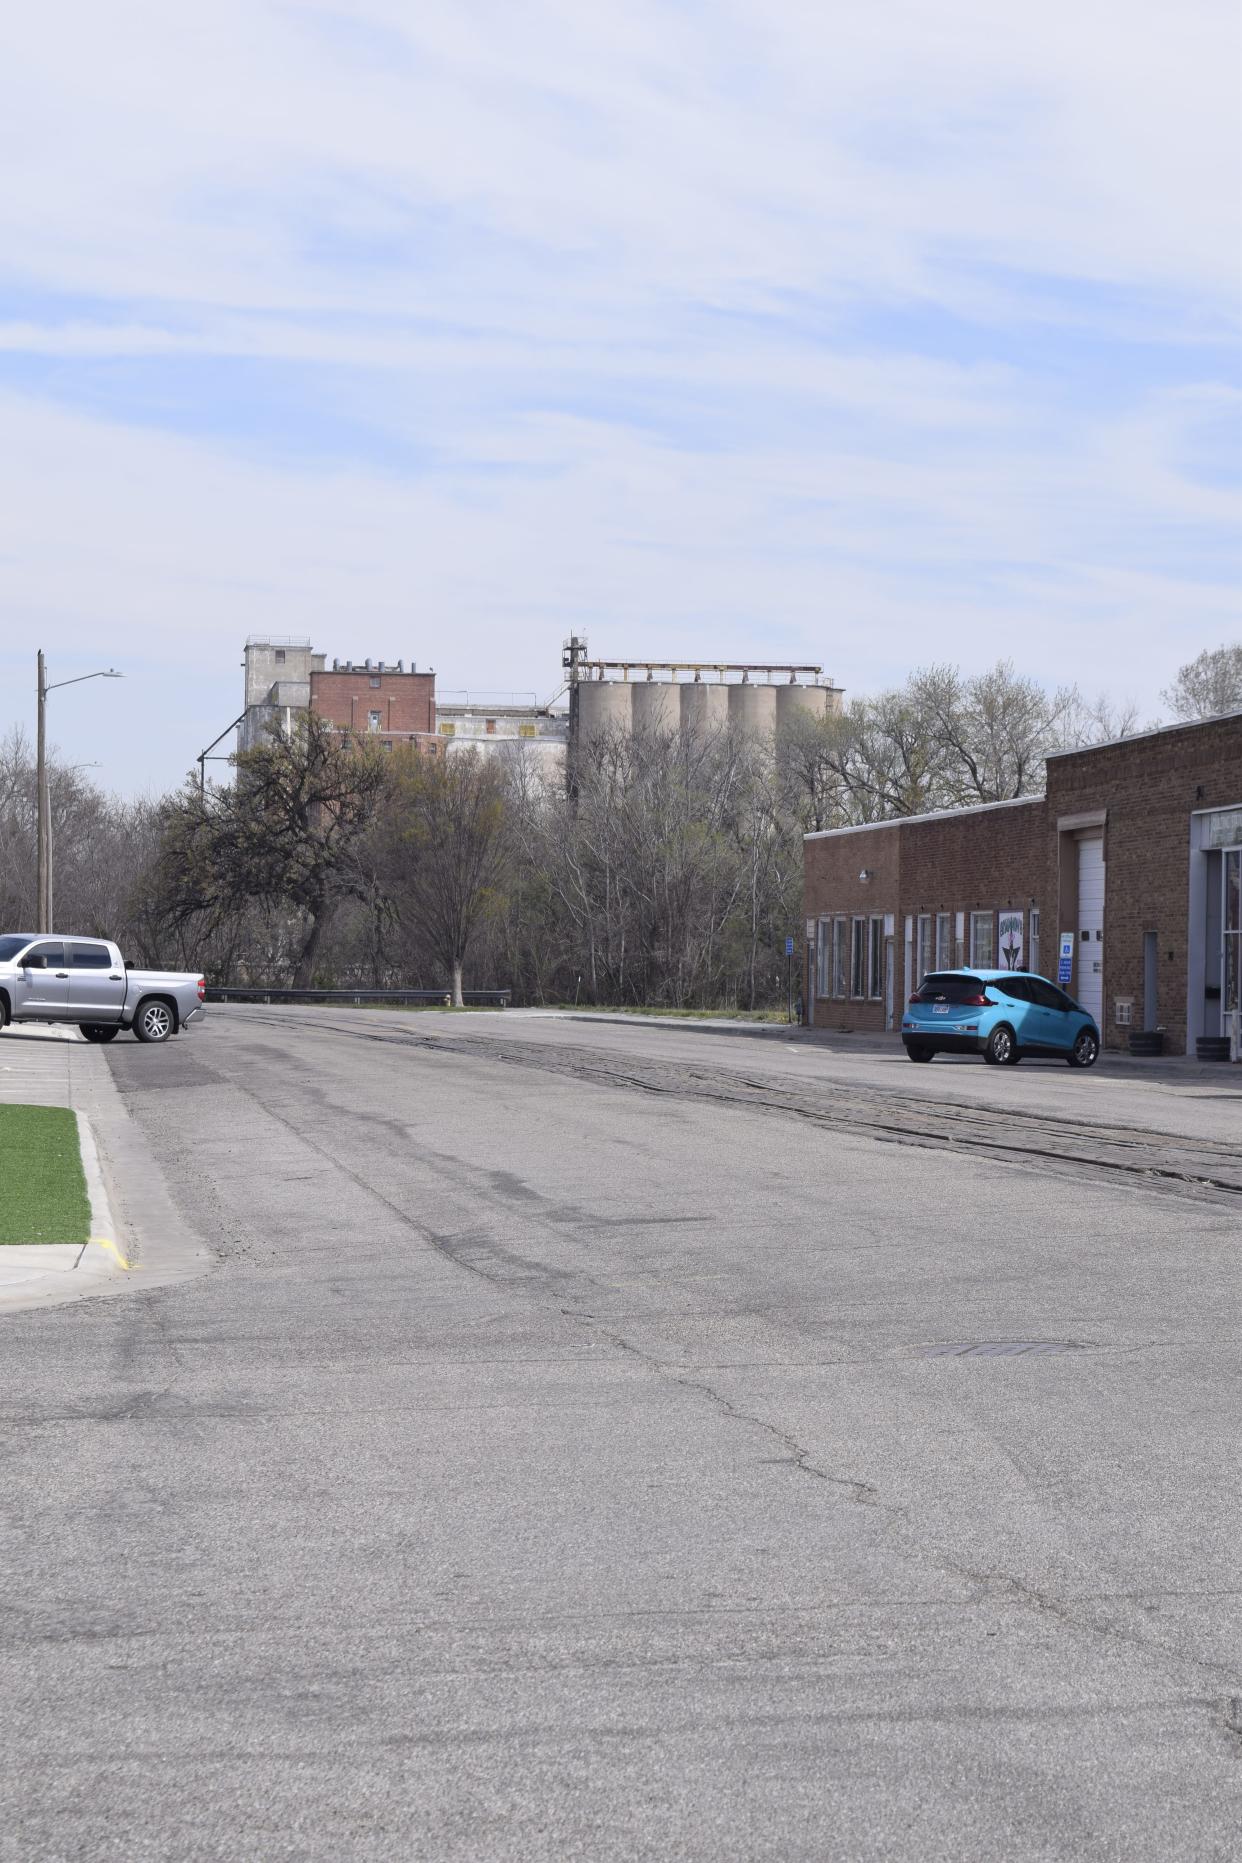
[(42, 1188)]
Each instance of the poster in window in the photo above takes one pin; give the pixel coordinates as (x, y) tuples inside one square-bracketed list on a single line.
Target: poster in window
[(1011, 940)]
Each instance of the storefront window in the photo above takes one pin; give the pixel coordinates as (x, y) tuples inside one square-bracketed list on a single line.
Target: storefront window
[(838, 956), (923, 955), (823, 958), (1231, 998), (982, 942), (944, 941), (875, 961), (858, 958)]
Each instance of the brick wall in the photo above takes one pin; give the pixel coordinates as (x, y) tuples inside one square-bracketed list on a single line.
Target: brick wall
[(406, 702), (1142, 792), (1149, 788), (981, 860)]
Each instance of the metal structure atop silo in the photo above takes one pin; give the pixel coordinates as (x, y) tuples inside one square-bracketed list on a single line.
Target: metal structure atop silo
[(697, 695)]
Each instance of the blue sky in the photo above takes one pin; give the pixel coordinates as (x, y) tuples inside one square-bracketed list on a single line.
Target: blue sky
[(867, 336)]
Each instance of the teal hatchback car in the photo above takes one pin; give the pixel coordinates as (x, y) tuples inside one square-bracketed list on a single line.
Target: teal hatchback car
[(1000, 1014)]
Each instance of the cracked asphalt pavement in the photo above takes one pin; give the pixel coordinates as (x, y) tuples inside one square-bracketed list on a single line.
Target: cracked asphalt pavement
[(611, 1442)]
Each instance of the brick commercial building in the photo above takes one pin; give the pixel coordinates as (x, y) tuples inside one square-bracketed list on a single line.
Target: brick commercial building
[(286, 677), (377, 701), (1132, 861)]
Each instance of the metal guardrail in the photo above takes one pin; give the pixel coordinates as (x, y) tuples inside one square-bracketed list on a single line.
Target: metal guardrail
[(251, 993)]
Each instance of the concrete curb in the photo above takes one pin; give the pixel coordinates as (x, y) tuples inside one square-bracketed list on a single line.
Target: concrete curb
[(36, 1274), (138, 1240)]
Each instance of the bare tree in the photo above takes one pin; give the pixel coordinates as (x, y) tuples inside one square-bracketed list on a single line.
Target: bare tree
[(288, 834), (443, 847), (1208, 685)]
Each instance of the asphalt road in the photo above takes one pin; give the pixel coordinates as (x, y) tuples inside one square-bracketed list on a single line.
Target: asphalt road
[(607, 1442)]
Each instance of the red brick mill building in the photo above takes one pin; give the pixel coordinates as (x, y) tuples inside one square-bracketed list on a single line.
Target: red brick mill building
[(1133, 858)]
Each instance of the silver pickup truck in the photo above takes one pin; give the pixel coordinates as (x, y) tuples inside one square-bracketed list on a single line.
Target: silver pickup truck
[(86, 980)]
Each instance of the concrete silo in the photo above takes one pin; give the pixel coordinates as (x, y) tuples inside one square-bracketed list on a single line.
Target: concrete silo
[(794, 701), (656, 707), (699, 695), (752, 708), (703, 707), (603, 706)]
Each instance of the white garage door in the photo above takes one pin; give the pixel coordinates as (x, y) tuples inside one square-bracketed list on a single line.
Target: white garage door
[(1090, 967)]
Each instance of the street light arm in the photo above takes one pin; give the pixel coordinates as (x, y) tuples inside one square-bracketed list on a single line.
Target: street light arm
[(110, 674)]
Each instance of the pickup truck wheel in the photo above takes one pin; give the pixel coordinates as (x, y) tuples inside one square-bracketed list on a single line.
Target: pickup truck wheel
[(154, 1021), (99, 1031)]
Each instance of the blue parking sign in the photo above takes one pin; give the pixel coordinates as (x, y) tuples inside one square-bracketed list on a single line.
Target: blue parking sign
[(789, 947), (1065, 958)]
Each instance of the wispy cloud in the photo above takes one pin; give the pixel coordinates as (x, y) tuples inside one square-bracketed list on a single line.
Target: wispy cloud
[(873, 335)]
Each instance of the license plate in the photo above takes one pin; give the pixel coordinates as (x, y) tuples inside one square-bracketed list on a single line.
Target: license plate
[(940, 1009)]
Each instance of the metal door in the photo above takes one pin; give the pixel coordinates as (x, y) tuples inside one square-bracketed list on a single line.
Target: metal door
[(42, 986), (96, 989), (1090, 966)]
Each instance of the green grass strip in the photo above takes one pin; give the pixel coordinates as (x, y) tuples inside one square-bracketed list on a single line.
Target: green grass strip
[(42, 1187)]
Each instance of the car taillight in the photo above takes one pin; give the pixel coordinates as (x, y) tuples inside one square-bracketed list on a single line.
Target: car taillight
[(202, 989), (974, 1002)]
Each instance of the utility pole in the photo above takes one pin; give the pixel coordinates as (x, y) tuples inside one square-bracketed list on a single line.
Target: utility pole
[(44, 801), (43, 809)]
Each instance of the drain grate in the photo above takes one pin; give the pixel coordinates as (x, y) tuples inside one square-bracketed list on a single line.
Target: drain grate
[(1003, 1348)]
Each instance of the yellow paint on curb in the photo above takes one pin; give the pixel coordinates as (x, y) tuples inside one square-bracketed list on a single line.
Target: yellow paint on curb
[(106, 1242)]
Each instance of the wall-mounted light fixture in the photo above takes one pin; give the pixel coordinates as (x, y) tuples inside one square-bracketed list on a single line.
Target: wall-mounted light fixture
[(865, 875)]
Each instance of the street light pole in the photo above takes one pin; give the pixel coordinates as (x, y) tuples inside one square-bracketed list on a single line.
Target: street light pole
[(42, 810), (44, 798)]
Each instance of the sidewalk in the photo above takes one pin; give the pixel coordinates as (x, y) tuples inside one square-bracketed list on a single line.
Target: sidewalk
[(1116, 1062), (137, 1238)]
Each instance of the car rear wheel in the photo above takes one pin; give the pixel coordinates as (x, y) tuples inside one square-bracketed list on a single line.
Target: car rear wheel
[(1001, 1049), (154, 1022), (99, 1031), (917, 1051), (1085, 1051)]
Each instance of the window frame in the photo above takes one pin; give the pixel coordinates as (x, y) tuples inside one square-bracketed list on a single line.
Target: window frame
[(40, 948), (858, 957), (823, 958), (100, 956), (944, 941), (875, 957), (840, 959), (922, 946), (976, 919)]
